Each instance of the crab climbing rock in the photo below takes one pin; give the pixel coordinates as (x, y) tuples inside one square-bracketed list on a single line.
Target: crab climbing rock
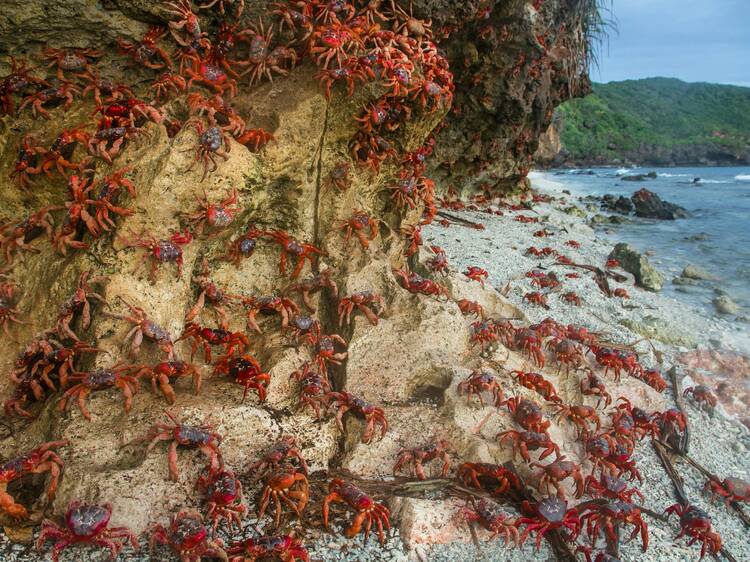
[(85, 524)]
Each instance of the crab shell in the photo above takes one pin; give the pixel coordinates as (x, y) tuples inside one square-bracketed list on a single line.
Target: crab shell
[(87, 520)]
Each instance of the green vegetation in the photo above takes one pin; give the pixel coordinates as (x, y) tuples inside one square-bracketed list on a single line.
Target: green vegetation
[(622, 120)]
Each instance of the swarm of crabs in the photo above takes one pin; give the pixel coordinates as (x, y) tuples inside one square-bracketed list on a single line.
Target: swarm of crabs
[(203, 67)]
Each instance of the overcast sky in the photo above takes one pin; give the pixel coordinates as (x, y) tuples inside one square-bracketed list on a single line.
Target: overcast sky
[(694, 40)]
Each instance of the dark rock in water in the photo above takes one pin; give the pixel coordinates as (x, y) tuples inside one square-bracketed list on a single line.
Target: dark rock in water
[(702, 237), (640, 177), (649, 205), (695, 272), (646, 275), (696, 180), (620, 204)]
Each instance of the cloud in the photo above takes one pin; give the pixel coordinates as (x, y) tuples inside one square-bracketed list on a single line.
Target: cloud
[(695, 40)]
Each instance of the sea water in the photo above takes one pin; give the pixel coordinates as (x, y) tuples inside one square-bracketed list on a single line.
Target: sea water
[(716, 237)]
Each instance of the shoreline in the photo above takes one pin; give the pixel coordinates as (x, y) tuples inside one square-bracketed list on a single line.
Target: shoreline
[(719, 441)]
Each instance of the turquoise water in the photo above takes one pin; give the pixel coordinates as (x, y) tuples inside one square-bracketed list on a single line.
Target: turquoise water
[(720, 208)]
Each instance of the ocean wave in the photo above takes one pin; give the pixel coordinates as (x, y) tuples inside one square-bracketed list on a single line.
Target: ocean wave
[(622, 171), (742, 177), (666, 175), (715, 181)]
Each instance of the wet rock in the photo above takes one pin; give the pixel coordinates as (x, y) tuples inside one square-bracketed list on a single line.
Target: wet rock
[(698, 273), (575, 212), (660, 330), (649, 205), (725, 305), (617, 204), (646, 275), (639, 177)]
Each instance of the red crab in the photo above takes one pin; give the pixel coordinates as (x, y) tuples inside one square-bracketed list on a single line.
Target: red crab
[(481, 474), (314, 391), (36, 461), (103, 87), (168, 83), (696, 524), (208, 337), (362, 301), (16, 82), (338, 177), (217, 216), (536, 298), (476, 274), (312, 285), (581, 416), (210, 292), (85, 524), (28, 162), (101, 379), (284, 547), (342, 402), (8, 310), (209, 146), (611, 488), (255, 139), (530, 342), (653, 378), (534, 251), (50, 97), (287, 485), (368, 510), (187, 23), (537, 383), (285, 307), (731, 489), (262, 60), (325, 350), (479, 382), (244, 246), (223, 493), (469, 308), (282, 451), (415, 283), (439, 263), (357, 224), (332, 40), (110, 189), (166, 373), (188, 537), (144, 327), (571, 298), (670, 422), (567, 353), (200, 437), (612, 263), (622, 293), (593, 386), (147, 52), (527, 414), (558, 470), (573, 244), (160, 251), (16, 236), (60, 152), (612, 515), (350, 72), (299, 250), (702, 395), (222, 8), (79, 302), (492, 518), (247, 372), (107, 142), (77, 216), (70, 60), (523, 441), (547, 515), (420, 455)]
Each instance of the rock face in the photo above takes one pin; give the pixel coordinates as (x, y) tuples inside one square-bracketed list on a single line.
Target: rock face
[(649, 205), (409, 364), (645, 274)]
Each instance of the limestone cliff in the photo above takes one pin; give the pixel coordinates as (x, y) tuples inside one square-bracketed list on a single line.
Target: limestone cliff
[(321, 173)]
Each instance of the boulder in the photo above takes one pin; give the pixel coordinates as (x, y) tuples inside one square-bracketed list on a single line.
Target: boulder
[(640, 177), (649, 205), (646, 275), (698, 273), (725, 305)]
